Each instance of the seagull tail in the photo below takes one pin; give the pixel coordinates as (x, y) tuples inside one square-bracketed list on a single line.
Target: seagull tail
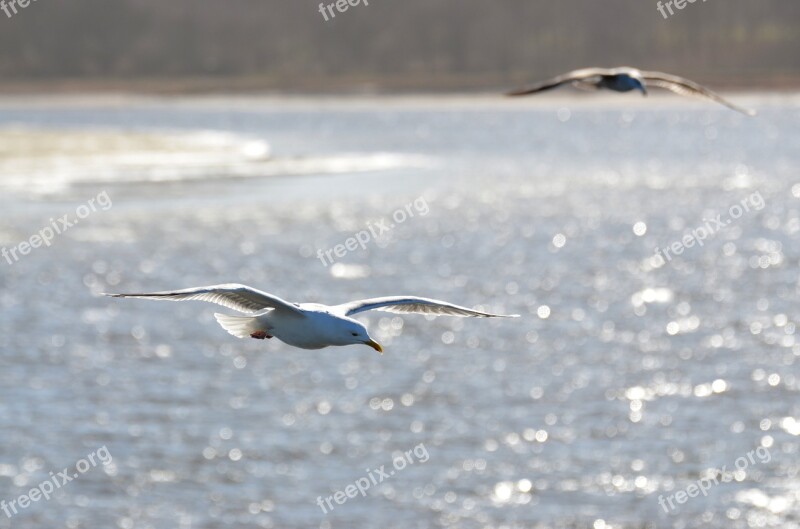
[(240, 326)]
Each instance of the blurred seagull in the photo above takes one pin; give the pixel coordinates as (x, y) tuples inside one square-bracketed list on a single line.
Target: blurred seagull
[(625, 79), (305, 325)]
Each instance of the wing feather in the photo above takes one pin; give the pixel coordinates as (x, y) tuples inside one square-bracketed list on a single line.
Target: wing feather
[(414, 305), (233, 296), (687, 87), (576, 75)]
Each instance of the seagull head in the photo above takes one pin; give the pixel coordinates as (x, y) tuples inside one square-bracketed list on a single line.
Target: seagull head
[(636, 82), (629, 80), (356, 333)]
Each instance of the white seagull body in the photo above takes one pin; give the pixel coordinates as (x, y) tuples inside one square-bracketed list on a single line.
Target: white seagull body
[(625, 79), (305, 325)]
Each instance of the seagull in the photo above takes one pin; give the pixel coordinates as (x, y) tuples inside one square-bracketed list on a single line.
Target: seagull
[(625, 79), (305, 325)]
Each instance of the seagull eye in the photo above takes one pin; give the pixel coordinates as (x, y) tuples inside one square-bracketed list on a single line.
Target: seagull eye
[(354, 333)]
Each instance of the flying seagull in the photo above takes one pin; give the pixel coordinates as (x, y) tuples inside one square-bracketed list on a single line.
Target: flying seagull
[(625, 79), (305, 325)]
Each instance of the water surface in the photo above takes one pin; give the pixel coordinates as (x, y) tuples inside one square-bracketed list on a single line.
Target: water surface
[(626, 379)]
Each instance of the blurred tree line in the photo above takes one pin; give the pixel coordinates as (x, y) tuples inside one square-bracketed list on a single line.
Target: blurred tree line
[(404, 43)]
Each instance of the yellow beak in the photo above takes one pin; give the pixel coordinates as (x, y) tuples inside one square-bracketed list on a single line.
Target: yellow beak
[(375, 345)]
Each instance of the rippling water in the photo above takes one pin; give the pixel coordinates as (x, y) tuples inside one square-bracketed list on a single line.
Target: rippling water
[(628, 378)]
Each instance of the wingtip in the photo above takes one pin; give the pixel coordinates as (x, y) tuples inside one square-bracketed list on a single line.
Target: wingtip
[(515, 93)]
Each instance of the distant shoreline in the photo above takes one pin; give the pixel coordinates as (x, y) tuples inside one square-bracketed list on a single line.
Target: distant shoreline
[(341, 85)]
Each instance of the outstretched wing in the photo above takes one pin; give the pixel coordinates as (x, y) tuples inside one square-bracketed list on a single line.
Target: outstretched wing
[(414, 305), (237, 297), (573, 76), (686, 87)]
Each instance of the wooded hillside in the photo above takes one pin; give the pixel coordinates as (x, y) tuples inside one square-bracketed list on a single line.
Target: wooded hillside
[(414, 43)]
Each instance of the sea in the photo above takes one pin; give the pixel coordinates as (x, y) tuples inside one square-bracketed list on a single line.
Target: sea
[(650, 246)]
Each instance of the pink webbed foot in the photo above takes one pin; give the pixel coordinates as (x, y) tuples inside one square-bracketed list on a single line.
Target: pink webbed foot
[(260, 335)]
